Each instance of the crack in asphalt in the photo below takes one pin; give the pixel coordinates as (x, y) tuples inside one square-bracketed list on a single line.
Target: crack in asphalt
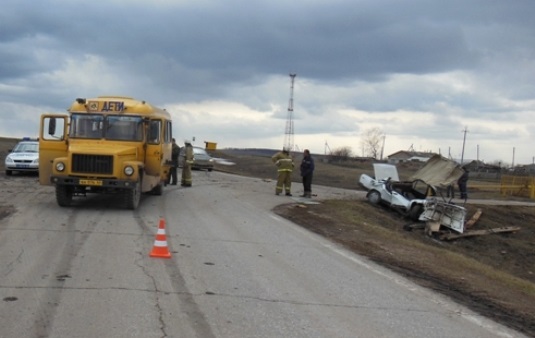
[(260, 299)]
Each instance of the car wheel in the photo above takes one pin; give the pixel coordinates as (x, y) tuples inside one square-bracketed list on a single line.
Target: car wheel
[(415, 211), (210, 169), (9, 172), (374, 197)]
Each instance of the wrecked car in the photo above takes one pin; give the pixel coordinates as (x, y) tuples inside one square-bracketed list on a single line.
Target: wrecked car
[(420, 198)]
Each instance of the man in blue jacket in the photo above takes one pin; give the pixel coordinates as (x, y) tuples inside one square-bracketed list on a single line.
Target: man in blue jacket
[(307, 169), (462, 182)]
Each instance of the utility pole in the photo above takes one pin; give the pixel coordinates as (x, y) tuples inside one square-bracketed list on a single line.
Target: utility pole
[(289, 132), (327, 147), (383, 147), (464, 141)]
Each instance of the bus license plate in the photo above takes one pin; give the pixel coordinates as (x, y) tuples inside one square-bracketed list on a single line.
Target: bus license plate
[(91, 182)]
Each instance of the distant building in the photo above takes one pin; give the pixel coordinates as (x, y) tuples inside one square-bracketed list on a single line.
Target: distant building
[(528, 169), (409, 156), (474, 165)]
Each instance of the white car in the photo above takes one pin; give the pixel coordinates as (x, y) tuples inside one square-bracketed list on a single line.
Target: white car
[(24, 157), (419, 197)]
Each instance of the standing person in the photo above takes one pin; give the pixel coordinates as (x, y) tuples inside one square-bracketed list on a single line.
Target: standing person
[(188, 161), (285, 165), (175, 151), (307, 169), (450, 191), (462, 182)]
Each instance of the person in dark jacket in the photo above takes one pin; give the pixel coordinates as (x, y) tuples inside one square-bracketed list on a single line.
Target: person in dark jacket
[(462, 183), (175, 151), (450, 191), (307, 169)]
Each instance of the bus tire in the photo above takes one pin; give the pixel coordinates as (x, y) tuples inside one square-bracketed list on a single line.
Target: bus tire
[(158, 190), (64, 195), (133, 196)]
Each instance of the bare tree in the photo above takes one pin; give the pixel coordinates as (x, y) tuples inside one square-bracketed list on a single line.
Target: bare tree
[(340, 154), (371, 142)]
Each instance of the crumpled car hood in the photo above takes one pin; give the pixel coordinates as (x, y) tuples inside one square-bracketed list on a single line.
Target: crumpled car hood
[(439, 172)]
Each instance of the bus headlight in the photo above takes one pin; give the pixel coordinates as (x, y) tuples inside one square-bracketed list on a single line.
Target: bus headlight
[(128, 171), (60, 166)]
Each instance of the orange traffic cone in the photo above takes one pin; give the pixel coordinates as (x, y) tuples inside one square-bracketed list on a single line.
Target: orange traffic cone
[(160, 248)]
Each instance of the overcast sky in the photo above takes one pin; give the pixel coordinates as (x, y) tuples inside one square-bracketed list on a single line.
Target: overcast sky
[(421, 71)]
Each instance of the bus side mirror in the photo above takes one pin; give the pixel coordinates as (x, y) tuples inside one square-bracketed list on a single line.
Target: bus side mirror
[(52, 126)]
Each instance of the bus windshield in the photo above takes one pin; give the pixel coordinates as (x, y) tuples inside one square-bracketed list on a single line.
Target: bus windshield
[(86, 126), (111, 127), (124, 128)]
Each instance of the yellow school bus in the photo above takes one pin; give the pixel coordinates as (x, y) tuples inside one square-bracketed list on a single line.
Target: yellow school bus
[(107, 145)]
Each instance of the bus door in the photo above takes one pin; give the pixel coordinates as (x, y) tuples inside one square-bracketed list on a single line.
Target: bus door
[(154, 154), (52, 143)]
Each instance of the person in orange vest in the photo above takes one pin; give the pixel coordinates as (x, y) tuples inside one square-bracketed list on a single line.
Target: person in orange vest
[(285, 165), (188, 161)]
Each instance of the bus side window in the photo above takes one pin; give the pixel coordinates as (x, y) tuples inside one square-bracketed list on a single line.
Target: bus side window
[(154, 132), (168, 134)]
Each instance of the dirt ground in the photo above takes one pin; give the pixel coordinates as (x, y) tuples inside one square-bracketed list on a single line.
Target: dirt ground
[(493, 275)]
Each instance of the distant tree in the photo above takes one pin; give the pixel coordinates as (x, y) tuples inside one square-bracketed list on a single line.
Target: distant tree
[(371, 142), (340, 154)]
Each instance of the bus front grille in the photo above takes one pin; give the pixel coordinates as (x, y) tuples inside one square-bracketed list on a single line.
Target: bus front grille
[(92, 164)]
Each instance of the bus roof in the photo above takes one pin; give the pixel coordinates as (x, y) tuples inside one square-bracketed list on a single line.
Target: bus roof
[(116, 105)]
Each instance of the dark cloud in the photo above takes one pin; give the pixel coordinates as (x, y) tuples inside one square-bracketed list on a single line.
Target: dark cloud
[(53, 51), (323, 41)]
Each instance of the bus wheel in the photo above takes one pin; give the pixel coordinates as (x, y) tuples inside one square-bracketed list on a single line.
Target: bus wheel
[(133, 196), (158, 190), (64, 195)]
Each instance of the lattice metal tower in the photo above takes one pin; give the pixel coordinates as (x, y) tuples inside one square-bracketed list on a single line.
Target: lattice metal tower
[(289, 132)]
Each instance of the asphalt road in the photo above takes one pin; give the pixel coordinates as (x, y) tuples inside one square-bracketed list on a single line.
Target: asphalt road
[(237, 270)]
